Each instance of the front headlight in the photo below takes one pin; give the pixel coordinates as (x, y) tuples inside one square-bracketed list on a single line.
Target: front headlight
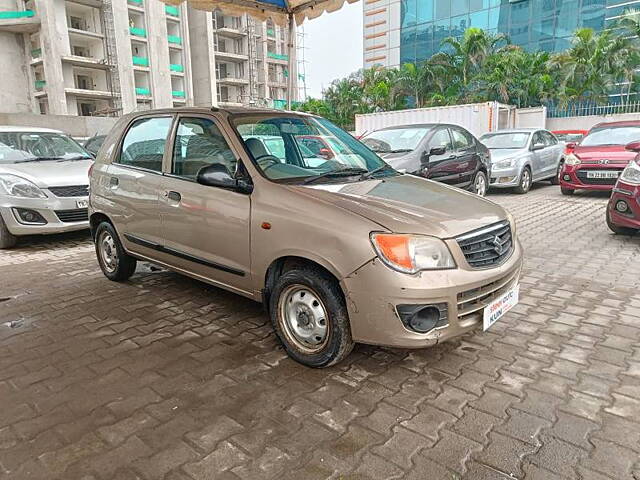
[(412, 253), (572, 160), (506, 163), (631, 174), (15, 186)]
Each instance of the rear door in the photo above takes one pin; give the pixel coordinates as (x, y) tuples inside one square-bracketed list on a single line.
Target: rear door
[(135, 182), (466, 155), (539, 157), (442, 168), (205, 229), (554, 153)]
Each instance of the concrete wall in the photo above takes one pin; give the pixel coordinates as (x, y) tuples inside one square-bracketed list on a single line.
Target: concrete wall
[(585, 123), (74, 126), (14, 91)]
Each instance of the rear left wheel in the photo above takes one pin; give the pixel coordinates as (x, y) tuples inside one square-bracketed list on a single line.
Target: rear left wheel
[(310, 316), (556, 180), (480, 184)]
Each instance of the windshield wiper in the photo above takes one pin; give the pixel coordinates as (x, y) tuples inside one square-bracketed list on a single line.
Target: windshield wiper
[(72, 159), (368, 175), (38, 159), (344, 172), (399, 150)]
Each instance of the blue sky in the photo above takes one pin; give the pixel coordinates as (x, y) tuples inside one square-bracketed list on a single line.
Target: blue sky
[(333, 46)]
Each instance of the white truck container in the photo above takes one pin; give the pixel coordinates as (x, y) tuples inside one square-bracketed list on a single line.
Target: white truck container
[(478, 118)]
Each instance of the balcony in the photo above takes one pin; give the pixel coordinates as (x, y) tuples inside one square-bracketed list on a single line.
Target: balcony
[(40, 84), (85, 93), (176, 68), (172, 11), (36, 53), (19, 21), (86, 62), (231, 79), (231, 32), (135, 3), (78, 33), (174, 40), (177, 94), (140, 61), (138, 32), (230, 56), (144, 92), (280, 58)]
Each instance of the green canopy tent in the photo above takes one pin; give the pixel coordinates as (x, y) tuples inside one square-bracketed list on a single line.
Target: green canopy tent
[(282, 12)]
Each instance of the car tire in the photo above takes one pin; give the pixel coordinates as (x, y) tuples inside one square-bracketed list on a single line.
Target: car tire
[(480, 184), (525, 181), (116, 264), (617, 229), (556, 180), (309, 315), (567, 191), (7, 239)]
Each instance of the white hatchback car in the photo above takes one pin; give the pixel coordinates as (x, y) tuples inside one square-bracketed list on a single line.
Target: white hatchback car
[(44, 183)]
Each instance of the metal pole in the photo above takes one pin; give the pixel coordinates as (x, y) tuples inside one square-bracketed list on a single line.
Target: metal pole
[(292, 28)]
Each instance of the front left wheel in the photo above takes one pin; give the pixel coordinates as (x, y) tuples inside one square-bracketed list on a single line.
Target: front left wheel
[(7, 239), (309, 314), (480, 184), (617, 229), (115, 263)]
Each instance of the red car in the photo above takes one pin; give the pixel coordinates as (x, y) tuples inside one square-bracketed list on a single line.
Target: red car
[(600, 157), (623, 210), (570, 138)]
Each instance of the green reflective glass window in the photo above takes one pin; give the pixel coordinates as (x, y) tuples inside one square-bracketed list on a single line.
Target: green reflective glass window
[(408, 45), (459, 7), (479, 19), (443, 10), (425, 11), (408, 13)]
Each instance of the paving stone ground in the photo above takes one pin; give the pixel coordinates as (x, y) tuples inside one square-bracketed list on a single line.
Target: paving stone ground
[(165, 377)]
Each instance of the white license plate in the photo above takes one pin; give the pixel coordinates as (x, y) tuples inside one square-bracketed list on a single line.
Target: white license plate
[(82, 203), (500, 306), (602, 174)]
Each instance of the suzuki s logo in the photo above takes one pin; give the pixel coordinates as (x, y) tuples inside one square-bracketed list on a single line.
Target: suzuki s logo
[(604, 161), (497, 245)]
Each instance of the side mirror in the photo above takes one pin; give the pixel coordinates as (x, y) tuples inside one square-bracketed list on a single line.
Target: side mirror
[(217, 175), (441, 150), (326, 153), (537, 146), (633, 146)]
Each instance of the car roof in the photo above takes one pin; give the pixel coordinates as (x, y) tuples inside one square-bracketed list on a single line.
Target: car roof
[(418, 125), (626, 123), (228, 110), (569, 131), (11, 129), (517, 130)]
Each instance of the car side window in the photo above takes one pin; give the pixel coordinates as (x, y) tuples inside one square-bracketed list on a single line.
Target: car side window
[(441, 138), (462, 140), (144, 142), (199, 143), (538, 139), (549, 139)]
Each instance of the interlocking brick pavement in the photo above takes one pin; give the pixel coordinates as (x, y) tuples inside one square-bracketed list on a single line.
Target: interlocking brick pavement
[(165, 377)]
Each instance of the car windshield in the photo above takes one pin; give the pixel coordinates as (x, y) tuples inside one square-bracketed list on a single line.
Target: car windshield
[(282, 148), (611, 136), (569, 137), (17, 147), (395, 139), (505, 140)]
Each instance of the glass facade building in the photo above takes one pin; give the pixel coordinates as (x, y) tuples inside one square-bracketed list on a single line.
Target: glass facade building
[(533, 24)]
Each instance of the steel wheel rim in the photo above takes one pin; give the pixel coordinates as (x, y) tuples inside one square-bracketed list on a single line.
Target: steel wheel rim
[(481, 185), (526, 179), (304, 318), (108, 252)]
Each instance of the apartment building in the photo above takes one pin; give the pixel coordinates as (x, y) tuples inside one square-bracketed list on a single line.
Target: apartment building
[(108, 57)]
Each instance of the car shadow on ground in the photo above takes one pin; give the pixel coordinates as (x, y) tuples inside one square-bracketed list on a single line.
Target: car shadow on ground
[(51, 241)]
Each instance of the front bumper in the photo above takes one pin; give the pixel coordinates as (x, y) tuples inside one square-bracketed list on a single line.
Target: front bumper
[(630, 194), (61, 214), (505, 177), (572, 177), (374, 291)]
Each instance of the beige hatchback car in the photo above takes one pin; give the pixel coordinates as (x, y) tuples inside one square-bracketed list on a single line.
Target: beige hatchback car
[(339, 250)]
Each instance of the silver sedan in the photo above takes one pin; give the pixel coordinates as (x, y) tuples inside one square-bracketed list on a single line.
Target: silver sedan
[(520, 157)]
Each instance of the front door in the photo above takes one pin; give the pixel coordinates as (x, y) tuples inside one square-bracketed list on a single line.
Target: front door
[(135, 182), (205, 229), (466, 155), (442, 167)]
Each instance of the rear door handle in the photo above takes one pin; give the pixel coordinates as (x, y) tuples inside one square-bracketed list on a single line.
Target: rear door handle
[(173, 196), (113, 182)]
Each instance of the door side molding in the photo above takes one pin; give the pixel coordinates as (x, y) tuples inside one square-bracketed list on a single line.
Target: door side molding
[(185, 256)]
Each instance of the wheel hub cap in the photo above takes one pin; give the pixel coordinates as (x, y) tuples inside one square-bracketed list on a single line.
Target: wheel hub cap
[(304, 318), (108, 252)]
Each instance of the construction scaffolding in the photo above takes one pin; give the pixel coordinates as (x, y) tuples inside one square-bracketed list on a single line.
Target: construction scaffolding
[(111, 60)]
